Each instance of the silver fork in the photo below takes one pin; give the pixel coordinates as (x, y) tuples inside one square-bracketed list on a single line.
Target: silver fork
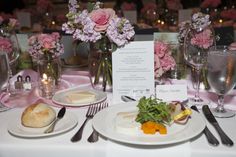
[(89, 115), (94, 136)]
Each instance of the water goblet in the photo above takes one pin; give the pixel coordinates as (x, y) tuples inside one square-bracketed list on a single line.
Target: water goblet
[(221, 75)]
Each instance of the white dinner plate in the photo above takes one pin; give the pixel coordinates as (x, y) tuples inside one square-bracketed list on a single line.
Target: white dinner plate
[(68, 122), (104, 123), (59, 97)]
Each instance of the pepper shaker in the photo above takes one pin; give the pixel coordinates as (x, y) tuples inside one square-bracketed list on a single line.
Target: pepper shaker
[(19, 83)]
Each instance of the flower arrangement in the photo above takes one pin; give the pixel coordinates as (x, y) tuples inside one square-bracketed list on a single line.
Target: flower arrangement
[(229, 14), (7, 25), (6, 45), (210, 3), (163, 59), (203, 36), (103, 27), (173, 4), (45, 49), (42, 45), (94, 23)]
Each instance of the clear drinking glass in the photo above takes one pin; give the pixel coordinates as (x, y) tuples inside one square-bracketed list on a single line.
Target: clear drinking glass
[(221, 75), (195, 55), (4, 73)]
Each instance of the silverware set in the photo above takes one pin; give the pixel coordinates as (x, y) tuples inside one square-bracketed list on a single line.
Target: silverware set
[(225, 140), (92, 110)]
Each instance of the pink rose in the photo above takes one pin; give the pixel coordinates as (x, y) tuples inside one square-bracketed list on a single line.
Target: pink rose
[(101, 18), (203, 39), (55, 35), (6, 45), (47, 41), (160, 48), (128, 6)]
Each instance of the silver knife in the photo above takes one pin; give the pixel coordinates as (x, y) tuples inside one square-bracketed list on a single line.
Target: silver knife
[(224, 138), (210, 137)]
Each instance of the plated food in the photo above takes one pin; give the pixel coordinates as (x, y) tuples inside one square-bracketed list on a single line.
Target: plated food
[(32, 121), (119, 122), (77, 97), (153, 116), (38, 115)]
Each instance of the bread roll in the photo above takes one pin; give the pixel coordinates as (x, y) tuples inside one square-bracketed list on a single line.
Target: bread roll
[(80, 97), (38, 115)]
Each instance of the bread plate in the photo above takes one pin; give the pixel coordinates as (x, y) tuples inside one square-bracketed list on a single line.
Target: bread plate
[(104, 123), (68, 122), (59, 97)]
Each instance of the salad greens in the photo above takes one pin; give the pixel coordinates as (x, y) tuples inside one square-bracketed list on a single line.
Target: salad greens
[(152, 109)]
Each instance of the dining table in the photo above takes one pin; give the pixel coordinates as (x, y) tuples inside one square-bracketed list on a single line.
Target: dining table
[(60, 145)]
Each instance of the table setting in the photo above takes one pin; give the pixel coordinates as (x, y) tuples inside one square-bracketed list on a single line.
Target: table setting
[(135, 98)]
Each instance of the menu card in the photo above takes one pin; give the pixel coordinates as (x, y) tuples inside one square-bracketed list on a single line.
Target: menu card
[(133, 70)]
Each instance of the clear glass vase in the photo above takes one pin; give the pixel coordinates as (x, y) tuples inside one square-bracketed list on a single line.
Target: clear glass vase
[(100, 65), (50, 67)]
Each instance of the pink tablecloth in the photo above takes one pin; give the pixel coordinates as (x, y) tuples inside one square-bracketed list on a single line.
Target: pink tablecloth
[(25, 98)]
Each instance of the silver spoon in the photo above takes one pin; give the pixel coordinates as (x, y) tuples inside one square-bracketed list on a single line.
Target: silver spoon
[(60, 115)]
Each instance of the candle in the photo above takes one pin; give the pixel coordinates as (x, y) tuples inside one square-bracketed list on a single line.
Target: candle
[(47, 85)]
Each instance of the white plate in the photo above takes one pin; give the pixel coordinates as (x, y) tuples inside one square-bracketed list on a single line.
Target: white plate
[(68, 122), (59, 97), (104, 120)]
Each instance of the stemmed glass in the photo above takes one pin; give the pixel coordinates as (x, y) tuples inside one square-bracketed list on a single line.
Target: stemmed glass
[(4, 72), (221, 75), (197, 43)]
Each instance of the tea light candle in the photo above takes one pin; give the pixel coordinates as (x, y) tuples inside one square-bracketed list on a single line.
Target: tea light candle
[(47, 86)]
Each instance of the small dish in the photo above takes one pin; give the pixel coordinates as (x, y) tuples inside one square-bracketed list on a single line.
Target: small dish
[(68, 122), (59, 97)]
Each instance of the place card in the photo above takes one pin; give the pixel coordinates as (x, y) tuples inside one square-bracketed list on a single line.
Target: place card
[(172, 92), (133, 70)]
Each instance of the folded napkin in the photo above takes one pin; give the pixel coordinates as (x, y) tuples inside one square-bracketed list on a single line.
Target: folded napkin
[(25, 98)]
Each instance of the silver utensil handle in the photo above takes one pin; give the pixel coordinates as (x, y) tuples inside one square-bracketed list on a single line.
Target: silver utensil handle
[(93, 137), (224, 138), (78, 134), (210, 137), (51, 127)]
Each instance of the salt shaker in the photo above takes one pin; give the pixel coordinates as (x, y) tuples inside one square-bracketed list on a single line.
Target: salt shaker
[(27, 83)]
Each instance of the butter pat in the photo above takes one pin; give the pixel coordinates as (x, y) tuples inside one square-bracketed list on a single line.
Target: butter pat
[(125, 123), (80, 97)]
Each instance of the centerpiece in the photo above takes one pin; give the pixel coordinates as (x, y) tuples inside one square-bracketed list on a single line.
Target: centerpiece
[(163, 60), (46, 49), (106, 30)]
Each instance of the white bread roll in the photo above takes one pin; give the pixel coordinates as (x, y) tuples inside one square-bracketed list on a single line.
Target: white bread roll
[(80, 97), (38, 115)]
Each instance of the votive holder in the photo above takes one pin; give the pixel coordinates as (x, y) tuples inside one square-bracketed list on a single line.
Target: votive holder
[(47, 86)]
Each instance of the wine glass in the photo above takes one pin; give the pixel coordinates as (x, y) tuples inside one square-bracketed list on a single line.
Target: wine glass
[(221, 75), (4, 72), (195, 55)]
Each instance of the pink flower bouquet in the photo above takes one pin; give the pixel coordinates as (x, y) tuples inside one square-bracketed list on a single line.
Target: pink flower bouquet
[(128, 6), (6, 45), (95, 23), (203, 39), (210, 3), (163, 59), (45, 44)]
